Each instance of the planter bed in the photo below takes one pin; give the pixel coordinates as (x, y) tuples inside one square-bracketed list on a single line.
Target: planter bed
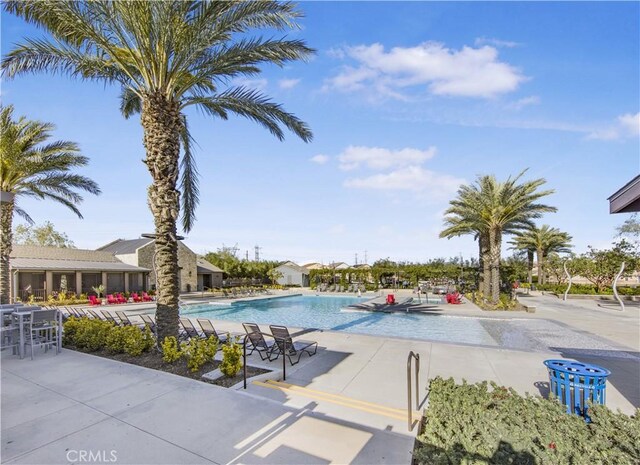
[(153, 359)]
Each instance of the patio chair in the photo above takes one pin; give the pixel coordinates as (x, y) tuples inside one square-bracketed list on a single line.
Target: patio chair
[(121, 298), (94, 314), (150, 323), (109, 317), (209, 330), (146, 297), (288, 347), (136, 297), (124, 319), (43, 329), (258, 342), (189, 331), (93, 300)]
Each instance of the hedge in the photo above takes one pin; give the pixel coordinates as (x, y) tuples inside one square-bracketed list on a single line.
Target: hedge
[(486, 424)]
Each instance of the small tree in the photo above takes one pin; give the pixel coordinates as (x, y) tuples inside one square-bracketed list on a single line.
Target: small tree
[(600, 267), (274, 274), (44, 235)]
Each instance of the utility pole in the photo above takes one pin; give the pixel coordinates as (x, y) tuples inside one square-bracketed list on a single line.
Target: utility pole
[(246, 255), (365, 257), (356, 258), (257, 252)]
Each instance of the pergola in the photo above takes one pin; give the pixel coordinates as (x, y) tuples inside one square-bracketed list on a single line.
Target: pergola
[(626, 199)]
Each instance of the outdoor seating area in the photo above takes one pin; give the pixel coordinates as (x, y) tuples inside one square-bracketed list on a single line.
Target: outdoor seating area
[(120, 298), (31, 326)]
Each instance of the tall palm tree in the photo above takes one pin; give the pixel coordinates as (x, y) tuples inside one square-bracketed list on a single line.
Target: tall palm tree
[(166, 56), (32, 167), (542, 241), (490, 208)]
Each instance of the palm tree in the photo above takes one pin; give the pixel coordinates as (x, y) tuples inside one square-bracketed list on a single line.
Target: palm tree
[(166, 56), (29, 167), (542, 241), (490, 208)]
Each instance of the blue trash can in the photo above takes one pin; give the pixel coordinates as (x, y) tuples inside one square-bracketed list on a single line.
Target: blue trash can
[(575, 383)]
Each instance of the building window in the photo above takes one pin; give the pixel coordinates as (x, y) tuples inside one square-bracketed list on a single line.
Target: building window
[(31, 285), (115, 282), (64, 282), (89, 281)]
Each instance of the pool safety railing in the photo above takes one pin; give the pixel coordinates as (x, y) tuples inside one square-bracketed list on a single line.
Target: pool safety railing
[(412, 356)]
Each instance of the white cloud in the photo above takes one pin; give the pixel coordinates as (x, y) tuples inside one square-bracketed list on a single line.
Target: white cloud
[(625, 126), (410, 178), (468, 72), (524, 102), (496, 42), (257, 84), (378, 158), (288, 83), (319, 159)]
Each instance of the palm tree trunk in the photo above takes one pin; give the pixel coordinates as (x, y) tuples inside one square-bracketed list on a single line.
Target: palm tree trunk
[(540, 259), (495, 244), (161, 123), (485, 260), (530, 266), (6, 220)]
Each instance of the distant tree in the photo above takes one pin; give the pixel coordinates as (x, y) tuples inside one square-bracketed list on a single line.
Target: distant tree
[(44, 235), (600, 267), (274, 274), (542, 241), (630, 230)]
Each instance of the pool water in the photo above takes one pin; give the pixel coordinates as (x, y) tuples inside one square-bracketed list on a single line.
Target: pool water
[(327, 312)]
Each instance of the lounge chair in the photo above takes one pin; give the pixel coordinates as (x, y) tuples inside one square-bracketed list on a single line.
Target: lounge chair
[(94, 314), (286, 346), (209, 330), (189, 331), (258, 342), (109, 317), (150, 323), (124, 319)]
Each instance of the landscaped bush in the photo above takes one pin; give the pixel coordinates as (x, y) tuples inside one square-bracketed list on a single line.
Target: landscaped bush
[(505, 301), (231, 358), (199, 351), (92, 334), (487, 424), (70, 328), (171, 350), (130, 340), (587, 289)]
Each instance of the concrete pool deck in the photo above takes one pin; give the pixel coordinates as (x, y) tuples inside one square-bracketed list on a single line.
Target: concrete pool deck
[(347, 404)]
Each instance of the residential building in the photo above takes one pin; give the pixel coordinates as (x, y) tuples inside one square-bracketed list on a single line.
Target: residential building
[(293, 275)]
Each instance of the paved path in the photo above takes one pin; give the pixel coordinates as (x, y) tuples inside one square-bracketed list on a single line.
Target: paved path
[(58, 407)]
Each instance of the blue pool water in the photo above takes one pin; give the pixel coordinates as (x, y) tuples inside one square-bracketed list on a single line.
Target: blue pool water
[(326, 312)]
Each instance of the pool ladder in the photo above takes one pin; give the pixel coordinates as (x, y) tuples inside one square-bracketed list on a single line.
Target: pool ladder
[(413, 356)]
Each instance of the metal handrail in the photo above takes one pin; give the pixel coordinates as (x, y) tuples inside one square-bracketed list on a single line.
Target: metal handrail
[(412, 355)]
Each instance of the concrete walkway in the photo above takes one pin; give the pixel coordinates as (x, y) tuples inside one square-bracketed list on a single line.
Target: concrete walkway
[(60, 409)]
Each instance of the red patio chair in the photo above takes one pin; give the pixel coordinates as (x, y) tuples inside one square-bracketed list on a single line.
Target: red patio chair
[(121, 298), (146, 297), (111, 299), (136, 297), (93, 300)]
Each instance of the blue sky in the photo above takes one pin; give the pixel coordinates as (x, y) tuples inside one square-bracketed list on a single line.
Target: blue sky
[(406, 101)]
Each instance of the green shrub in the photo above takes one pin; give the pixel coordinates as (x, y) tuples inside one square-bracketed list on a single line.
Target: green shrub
[(130, 340), (231, 358), (488, 424), (171, 350), (92, 334), (199, 351), (69, 330)]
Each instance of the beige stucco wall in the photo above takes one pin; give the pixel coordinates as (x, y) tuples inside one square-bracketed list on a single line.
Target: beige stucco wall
[(186, 261)]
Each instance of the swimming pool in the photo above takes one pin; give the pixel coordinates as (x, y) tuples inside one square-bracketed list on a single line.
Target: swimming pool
[(329, 313), (326, 312)]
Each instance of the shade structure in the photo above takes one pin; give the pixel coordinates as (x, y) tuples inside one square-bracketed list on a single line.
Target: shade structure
[(626, 199)]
